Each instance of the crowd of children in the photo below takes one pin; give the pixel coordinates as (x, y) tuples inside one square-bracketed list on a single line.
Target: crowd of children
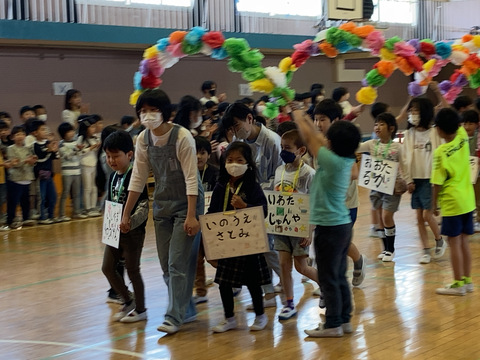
[(233, 152)]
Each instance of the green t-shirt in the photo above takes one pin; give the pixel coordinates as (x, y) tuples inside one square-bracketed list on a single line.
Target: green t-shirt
[(328, 191), (451, 169)]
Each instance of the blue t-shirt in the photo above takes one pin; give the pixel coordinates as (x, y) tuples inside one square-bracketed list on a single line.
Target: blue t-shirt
[(329, 189)]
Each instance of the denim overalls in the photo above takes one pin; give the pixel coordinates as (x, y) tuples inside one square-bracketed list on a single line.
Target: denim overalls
[(176, 250)]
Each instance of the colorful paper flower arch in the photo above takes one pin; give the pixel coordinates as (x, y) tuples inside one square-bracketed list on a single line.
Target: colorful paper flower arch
[(424, 58)]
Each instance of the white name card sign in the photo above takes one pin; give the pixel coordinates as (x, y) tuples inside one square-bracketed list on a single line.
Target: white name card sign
[(111, 223), (378, 174), (234, 233)]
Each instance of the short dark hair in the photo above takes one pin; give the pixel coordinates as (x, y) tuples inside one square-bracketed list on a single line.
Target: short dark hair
[(337, 93), (63, 128), (4, 114), (470, 116), (425, 106), (155, 98), (317, 86), (247, 100), (127, 120), (344, 138), (390, 120), (329, 108), (18, 128), (236, 110), (35, 107), (25, 108), (202, 143), (35, 125), (3, 125), (207, 85), (294, 136), (119, 140), (378, 108), (447, 120), (107, 130), (285, 126), (462, 102), (210, 104)]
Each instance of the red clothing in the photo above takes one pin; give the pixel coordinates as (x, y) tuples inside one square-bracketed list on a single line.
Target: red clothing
[(282, 118)]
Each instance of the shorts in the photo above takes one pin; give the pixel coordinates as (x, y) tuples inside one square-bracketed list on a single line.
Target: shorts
[(291, 245), (385, 201), (353, 215), (453, 226), (422, 195)]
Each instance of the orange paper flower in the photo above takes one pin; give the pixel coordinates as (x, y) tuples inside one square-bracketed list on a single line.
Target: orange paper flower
[(328, 49), (404, 66), (349, 26), (384, 68), (467, 38), (363, 31), (176, 37)]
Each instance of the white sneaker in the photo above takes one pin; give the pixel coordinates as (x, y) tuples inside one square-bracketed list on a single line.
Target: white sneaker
[(168, 327), (259, 323), (347, 328), (278, 288), (452, 289), (208, 281), (200, 299), (266, 303), (225, 325), (94, 213), (359, 274), (64, 219), (440, 250), (320, 331), (381, 255), (134, 316), (126, 309), (425, 259), (373, 232), (388, 257), (287, 312)]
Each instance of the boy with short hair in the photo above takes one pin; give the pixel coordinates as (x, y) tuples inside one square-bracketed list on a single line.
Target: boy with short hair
[(69, 151), (22, 160), (453, 191), (5, 132), (293, 177), (208, 176), (119, 149), (46, 151), (335, 156)]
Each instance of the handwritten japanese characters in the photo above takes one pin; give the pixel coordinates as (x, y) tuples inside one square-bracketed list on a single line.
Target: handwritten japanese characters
[(378, 174), (111, 223), (288, 214), (234, 233)]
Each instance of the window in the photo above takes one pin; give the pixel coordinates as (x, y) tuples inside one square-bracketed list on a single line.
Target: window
[(182, 3), (395, 11), (311, 8)]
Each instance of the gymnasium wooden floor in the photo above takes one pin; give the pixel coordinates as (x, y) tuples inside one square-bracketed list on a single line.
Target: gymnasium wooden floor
[(52, 297)]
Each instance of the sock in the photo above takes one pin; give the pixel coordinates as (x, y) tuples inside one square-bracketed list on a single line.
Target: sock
[(467, 279), (385, 246), (426, 251), (457, 284), (230, 319), (439, 242), (290, 303), (357, 265), (390, 238)]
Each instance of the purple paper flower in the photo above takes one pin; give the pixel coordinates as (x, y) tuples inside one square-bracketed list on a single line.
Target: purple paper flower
[(445, 86), (414, 89), (460, 81), (415, 43)]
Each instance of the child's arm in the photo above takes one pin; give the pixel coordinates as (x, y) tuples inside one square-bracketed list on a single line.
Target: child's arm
[(132, 199), (310, 135), (436, 191), (191, 225)]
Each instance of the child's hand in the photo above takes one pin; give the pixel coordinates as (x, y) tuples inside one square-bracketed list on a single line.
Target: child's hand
[(191, 226), (30, 160), (305, 242), (411, 187), (80, 146), (436, 212), (14, 162), (222, 97), (125, 224), (237, 202)]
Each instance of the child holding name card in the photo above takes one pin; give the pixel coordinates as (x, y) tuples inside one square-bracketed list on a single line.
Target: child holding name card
[(386, 149), (294, 176), (238, 188), (119, 149)]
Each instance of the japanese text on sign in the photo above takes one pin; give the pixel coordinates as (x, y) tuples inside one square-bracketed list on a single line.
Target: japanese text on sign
[(234, 233), (288, 214), (378, 174), (111, 223)]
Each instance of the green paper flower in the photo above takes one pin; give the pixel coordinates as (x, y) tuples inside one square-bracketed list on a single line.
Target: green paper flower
[(374, 79), (390, 43)]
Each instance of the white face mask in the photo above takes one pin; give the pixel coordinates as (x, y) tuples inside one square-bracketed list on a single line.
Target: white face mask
[(241, 134), (235, 169), (196, 123), (414, 119), (260, 109), (42, 117), (151, 120)]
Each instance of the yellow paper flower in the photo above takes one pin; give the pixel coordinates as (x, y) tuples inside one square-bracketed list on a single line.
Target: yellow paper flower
[(476, 41), (386, 54), (429, 65), (134, 97), (262, 85), (285, 65), (151, 52), (366, 95)]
